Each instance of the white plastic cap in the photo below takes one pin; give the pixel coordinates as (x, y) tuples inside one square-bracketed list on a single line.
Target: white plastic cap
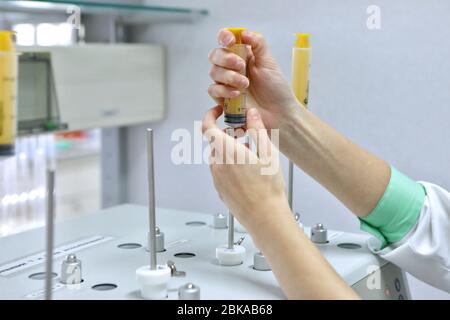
[(153, 283), (230, 257)]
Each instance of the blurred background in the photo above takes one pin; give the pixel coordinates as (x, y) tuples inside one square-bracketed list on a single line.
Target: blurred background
[(385, 88)]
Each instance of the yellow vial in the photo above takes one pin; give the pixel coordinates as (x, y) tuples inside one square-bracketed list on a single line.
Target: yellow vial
[(8, 92), (301, 59), (235, 108)]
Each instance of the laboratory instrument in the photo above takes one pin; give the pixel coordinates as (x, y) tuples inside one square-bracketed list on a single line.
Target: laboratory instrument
[(153, 278), (189, 292), (99, 238), (71, 270), (8, 93), (76, 87), (220, 221), (319, 233), (159, 240), (49, 225), (235, 108), (260, 262), (173, 270), (231, 254), (112, 244)]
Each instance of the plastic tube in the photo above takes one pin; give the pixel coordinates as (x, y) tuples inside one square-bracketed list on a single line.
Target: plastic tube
[(8, 93)]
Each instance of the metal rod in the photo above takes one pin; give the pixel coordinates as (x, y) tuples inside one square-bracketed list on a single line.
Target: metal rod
[(230, 132), (291, 184), (49, 233), (151, 200), (230, 230)]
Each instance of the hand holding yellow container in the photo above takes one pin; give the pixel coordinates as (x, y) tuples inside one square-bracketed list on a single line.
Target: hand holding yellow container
[(8, 92)]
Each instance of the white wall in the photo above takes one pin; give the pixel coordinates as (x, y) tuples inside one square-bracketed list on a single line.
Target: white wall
[(387, 90)]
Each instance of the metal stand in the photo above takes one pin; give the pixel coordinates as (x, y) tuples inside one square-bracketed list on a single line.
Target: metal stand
[(230, 254), (291, 185), (152, 278), (230, 230), (151, 200)]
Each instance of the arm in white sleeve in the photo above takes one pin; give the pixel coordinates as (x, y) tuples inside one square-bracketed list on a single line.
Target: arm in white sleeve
[(413, 229)]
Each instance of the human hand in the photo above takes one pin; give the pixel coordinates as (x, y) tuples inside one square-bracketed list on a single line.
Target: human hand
[(259, 202), (268, 91), (252, 194)]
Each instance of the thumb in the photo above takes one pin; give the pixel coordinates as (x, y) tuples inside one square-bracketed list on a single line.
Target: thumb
[(258, 132), (257, 42)]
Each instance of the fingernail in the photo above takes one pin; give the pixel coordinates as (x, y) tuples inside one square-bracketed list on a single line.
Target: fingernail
[(226, 41), (244, 82), (235, 93), (240, 65), (253, 113)]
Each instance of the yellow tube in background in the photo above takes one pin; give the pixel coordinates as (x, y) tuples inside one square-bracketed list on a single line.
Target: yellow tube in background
[(8, 92), (301, 60), (235, 108)]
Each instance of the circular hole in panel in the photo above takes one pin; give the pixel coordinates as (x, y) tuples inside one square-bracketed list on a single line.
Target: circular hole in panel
[(195, 223), (129, 246), (146, 249), (253, 268), (41, 276), (104, 286), (184, 255), (349, 245)]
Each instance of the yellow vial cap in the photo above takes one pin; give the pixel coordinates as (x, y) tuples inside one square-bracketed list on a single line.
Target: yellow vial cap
[(237, 34), (7, 41), (302, 40)]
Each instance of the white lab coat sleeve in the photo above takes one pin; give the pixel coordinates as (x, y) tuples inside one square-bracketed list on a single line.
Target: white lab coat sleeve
[(425, 251)]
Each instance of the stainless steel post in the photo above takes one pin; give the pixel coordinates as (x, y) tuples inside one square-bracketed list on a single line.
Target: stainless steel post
[(151, 200)]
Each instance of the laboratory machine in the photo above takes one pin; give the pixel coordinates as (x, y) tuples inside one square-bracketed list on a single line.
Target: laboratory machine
[(108, 246), (136, 252)]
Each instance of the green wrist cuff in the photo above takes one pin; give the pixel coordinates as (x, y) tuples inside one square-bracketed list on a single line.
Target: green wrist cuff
[(398, 210)]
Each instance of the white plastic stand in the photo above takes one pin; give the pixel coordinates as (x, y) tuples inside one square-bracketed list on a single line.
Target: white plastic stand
[(153, 283), (230, 257)]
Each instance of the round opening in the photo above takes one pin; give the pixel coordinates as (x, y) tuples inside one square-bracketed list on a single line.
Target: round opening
[(129, 246), (253, 267), (104, 286), (319, 243), (41, 276), (146, 249), (195, 223), (184, 255), (351, 246)]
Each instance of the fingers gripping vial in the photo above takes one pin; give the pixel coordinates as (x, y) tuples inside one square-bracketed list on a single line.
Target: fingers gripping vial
[(235, 108)]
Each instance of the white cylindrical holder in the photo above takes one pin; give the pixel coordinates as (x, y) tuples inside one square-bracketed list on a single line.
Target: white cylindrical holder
[(220, 221), (260, 262), (153, 283), (230, 257)]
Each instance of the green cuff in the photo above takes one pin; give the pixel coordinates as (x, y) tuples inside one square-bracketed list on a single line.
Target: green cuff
[(398, 210)]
